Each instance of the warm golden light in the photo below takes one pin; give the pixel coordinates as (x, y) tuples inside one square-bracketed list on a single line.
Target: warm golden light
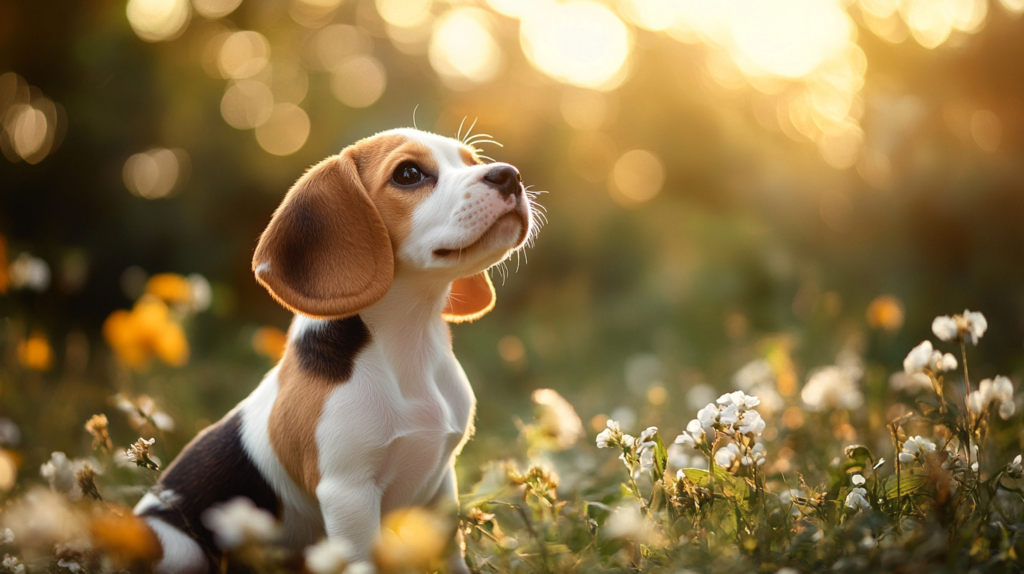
[(514, 8), (584, 110), (31, 124), (285, 131), (243, 55), (29, 127), (215, 8), (158, 20), (987, 130), (580, 43), (155, 173), (404, 13), (637, 177), (789, 37), (462, 47), (246, 104), (654, 15), (359, 82), (338, 42), (1015, 6)]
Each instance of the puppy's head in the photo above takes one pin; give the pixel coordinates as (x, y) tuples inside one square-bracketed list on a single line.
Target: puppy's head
[(403, 201)]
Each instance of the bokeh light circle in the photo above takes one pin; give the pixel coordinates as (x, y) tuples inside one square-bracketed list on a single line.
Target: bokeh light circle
[(462, 46), (359, 82), (637, 177), (285, 132), (246, 104), (155, 173), (580, 43), (215, 8), (404, 13), (243, 54), (158, 20)]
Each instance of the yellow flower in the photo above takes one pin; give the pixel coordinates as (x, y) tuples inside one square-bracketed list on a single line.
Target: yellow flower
[(170, 287), (123, 537), (411, 539), (269, 342), (148, 329), (885, 312), (35, 353)]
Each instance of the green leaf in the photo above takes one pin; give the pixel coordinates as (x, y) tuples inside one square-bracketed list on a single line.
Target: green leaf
[(909, 483), (660, 458)]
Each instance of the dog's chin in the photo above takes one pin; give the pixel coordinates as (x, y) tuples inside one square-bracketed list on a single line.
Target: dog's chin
[(505, 234)]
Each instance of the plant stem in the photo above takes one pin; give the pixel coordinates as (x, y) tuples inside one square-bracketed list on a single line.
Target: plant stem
[(967, 405)]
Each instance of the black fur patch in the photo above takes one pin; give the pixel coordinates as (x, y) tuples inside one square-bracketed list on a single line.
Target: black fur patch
[(330, 349), (213, 468)]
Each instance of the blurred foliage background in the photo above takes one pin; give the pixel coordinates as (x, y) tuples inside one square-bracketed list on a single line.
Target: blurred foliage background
[(729, 180)]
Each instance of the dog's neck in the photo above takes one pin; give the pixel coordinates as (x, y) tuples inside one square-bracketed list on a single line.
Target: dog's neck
[(406, 323)]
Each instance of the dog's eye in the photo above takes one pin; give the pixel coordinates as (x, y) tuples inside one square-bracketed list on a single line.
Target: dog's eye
[(407, 173)]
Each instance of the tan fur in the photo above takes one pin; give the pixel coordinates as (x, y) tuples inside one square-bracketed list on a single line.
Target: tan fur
[(469, 156), (326, 251), (293, 421), (470, 298), (377, 162)]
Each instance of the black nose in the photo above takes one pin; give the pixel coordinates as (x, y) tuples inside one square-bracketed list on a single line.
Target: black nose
[(505, 179)]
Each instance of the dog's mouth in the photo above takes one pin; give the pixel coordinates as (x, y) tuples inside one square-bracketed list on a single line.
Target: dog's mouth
[(498, 223)]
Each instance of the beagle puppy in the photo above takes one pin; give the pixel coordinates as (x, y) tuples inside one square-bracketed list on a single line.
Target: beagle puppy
[(375, 250)]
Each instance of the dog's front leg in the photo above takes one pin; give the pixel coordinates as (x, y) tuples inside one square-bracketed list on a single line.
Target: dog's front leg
[(351, 510), (447, 499)]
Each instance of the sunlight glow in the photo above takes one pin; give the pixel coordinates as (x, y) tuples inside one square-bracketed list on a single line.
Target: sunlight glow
[(579, 42), (462, 47), (654, 15), (158, 20), (789, 37)]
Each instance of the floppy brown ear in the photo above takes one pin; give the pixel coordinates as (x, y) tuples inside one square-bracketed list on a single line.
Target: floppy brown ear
[(326, 251), (469, 299)]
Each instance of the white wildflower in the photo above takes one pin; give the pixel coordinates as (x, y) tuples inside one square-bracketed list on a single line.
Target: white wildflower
[(754, 374), (832, 388), (998, 392), (607, 436), (755, 457), (138, 453), (646, 436), (751, 422), (941, 363), (60, 472), (686, 439), (10, 434), (1016, 468), (878, 464), (7, 536), (858, 480), (726, 455), (915, 448), (707, 417), (556, 420), (328, 556), (970, 326), (647, 459), (238, 521), (916, 382), (918, 358), (11, 564), (740, 399), (868, 542), (857, 499), (200, 293)]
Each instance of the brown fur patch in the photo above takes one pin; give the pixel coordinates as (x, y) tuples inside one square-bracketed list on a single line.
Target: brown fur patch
[(377, 163), (293, 421)]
